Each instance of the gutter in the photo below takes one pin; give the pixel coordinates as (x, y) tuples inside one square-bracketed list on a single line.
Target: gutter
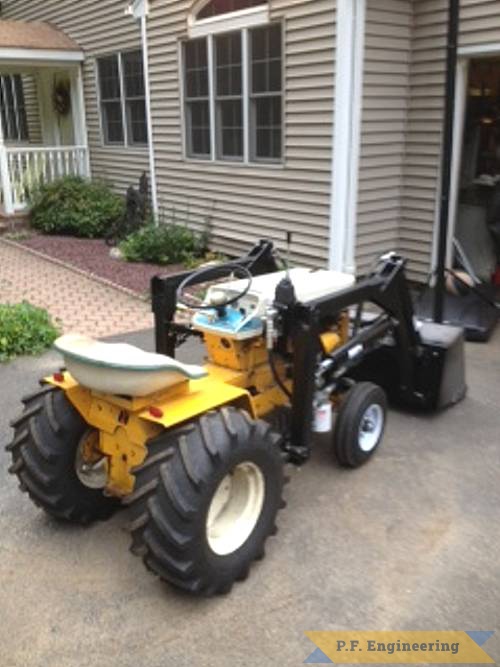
[(139, 9)]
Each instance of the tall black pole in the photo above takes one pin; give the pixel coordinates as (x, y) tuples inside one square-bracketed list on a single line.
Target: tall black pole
[(449, 120)]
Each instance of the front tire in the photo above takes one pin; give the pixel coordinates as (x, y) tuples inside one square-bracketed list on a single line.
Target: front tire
[(360, 424), (47, 438), (206, 501)]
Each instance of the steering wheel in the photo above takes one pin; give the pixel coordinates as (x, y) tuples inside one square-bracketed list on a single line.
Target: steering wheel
[(197, 277)]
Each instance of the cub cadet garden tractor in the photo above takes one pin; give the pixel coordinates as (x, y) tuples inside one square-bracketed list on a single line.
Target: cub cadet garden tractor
[(197, 453)]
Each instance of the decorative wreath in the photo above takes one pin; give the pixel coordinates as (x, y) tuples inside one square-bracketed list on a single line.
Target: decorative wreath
[(62, 97)]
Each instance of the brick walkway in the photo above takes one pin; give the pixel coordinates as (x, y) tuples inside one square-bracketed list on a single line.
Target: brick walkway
[(81, 304)]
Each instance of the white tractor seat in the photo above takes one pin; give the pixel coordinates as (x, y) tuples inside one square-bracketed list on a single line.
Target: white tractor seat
[(119, 368)]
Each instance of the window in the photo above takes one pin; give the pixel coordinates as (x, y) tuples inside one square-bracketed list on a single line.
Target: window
[(229, 96), (123, 99), (13, 108), (197, 100), (233, 95), (266, 107)]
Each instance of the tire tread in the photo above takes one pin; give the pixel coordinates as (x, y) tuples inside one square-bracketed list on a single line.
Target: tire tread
[(164, 520), (44, 435)]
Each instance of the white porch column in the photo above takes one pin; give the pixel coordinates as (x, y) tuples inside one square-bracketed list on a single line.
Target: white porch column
[(351, 15), (5, 183)]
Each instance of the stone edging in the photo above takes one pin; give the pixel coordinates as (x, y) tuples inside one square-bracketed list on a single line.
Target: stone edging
[(76, 269)]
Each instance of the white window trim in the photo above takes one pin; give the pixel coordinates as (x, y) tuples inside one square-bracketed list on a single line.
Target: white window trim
[(123, 104), (247, 160), (465, 54), (351, 16), (212, 104), (245, 18), (126, 144), (245, 92)]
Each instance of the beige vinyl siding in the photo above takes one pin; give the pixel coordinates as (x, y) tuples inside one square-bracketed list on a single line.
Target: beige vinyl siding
[(479, 25), (422, 168), (383, 130), (257, 201), (99, 27)]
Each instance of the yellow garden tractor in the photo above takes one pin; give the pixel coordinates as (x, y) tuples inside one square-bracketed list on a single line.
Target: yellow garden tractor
[(197, 453)]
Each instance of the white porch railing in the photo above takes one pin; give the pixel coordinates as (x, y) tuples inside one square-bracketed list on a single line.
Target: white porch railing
[(22, 169)]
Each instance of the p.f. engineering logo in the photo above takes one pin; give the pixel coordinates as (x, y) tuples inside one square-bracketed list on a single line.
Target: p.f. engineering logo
[(383, 648)]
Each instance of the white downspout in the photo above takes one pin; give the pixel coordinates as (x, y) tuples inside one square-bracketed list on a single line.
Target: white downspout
[(140, 10)]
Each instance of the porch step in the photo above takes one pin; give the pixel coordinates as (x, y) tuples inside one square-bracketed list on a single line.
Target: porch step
[(13, 223)]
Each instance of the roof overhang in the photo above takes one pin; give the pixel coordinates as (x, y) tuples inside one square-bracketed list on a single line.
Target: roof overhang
[(36, 43), (19, 56)]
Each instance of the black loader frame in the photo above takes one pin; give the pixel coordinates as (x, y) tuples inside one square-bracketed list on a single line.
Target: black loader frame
[(412, 366)]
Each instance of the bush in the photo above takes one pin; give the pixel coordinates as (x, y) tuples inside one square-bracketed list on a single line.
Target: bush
[(24, 329), (75, 206), (164, 244)]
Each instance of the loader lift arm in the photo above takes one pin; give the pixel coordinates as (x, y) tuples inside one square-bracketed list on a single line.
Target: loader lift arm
[(365, 355), (389, 351)]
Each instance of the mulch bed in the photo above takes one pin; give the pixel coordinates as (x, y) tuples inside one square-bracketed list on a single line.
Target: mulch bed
[(92, 256)]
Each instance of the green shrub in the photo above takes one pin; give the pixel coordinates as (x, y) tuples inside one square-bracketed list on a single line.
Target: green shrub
[(164, 244), (75, 206), (24, 329)]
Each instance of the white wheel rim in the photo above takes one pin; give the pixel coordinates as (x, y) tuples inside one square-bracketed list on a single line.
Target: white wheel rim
[(370, 428), (235, 509), (93, 475)]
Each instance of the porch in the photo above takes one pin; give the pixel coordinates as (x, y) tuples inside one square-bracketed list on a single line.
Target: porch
[(43, 133)]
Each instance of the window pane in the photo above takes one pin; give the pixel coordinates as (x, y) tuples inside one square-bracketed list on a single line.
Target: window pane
[(267, 81), (198, 128), (217, 7), (266, 59), (12, 108), (275, 43), (109, 78), (196, 68), (133, 74), (112, 122), (259, 77), (196, 53), (228, 61), (197, 107), (267, 112), (137, 123), (3, 108), (230, 116)]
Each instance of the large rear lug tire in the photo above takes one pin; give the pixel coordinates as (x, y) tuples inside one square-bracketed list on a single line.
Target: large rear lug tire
[(206, 501), (48, 437)]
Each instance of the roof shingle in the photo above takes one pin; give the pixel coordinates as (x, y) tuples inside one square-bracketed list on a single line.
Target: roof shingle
[(34, 35)]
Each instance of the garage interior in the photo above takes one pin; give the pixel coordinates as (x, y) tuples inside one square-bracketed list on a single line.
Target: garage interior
[(477, 227)]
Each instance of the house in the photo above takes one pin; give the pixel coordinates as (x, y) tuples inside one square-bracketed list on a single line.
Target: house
[(320, 117)]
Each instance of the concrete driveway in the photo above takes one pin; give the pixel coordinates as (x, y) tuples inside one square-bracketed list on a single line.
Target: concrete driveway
[(410, 541)]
